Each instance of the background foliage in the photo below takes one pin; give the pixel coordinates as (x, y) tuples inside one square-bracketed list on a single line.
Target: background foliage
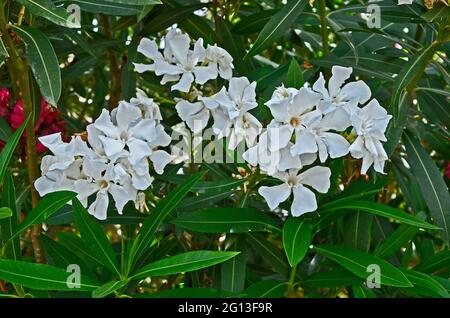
[(208, 232)]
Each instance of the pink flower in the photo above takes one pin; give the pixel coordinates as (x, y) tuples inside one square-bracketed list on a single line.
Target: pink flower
[(5, 98), (447, 170)]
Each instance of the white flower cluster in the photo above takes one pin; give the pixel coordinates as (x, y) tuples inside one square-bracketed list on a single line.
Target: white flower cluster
[(179, 63), (307, 122), (114, 161), (229, 107)]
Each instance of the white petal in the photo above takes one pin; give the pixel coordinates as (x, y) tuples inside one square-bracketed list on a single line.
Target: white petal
[(319, 86), (205, 73), (195, 115), (111, 146), (340, 75), (367, 161), (126, 114), (305, 142), (149, 49), (138, 150), (237, 87), (287, 160), (84, 189), (141, 68), (144, 129), (275, 195), (160, 159), (336, 120), (105, 125), (357, 148), (179, 45), (317, 177), (304, 101), (304, 201), (279, 137), (122, 195), (358, 91), (99, 207), (337, 145), (184, 84)]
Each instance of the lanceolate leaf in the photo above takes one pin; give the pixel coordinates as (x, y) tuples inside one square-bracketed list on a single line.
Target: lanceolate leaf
[(8, 226), (5, 130), (378, 209), (8, 149), (94, 237), (425, 285), (233, 271), (185, 262), (108, 288), (415, 66), (105, 7), (232, 220), (294, 75), (136, 2), (43, 62), (43, 277), (48, 205), (431, 183), (47, 10), (359, 262), (297, 235), (277, 25), (164, 207)]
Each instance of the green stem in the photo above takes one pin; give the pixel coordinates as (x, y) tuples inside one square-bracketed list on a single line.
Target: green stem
[(291, 282), (19, 71)]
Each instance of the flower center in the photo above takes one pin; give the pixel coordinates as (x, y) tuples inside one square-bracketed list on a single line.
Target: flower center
[(103, 184), (292, 182), (294, 121), (124, 136), (285, 93)]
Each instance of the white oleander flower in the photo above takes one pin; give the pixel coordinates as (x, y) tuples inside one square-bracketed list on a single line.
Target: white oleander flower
[(220, 61), (180, 63), (237, 100), (245, 128), (272, 162), (99, 180), (292, 118), (370, 123), (339, 95), (281, 96), (304, 201), (319, 130), (149, 109), (195, 115)]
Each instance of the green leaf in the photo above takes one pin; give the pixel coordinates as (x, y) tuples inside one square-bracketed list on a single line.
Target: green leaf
[(94, 237), (434, 263), (297, 236), (108, 288), (331, 279), (8, 226), (266, 289), (48, 10), (294, 75), (361, 291), (397, 239), (42, 277), (277, 25), (378, 209), (358, 230), (231, 220), (188, 292), (358, 263), (106, 7), (60, 256), (185, 262), (205, 186), (157, 216), (8, 149), (5, 213), (48, 205), (5, 130), (415, 66), (254, 22), (232, 272), (434, 189), (270, 254), (43, 62), (425, 285)]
